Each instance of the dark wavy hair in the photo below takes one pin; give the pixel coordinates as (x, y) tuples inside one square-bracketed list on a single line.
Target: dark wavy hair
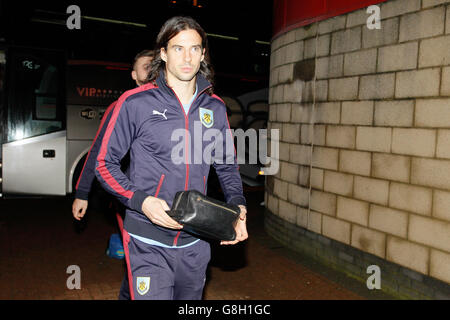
[(170, 29)]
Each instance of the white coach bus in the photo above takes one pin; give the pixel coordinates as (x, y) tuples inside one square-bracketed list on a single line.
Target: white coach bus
[(50, 110)]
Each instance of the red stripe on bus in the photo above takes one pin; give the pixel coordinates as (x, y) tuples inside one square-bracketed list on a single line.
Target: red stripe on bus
[(98, 63)]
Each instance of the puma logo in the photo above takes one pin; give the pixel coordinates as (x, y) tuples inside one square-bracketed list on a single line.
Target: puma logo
[(161, 114)]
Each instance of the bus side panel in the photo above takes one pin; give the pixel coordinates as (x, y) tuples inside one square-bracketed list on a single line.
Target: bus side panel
[(83, 121), (82, 125), (35, 165)]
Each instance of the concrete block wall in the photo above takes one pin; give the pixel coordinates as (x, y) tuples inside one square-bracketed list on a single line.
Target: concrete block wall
[(364, 120)]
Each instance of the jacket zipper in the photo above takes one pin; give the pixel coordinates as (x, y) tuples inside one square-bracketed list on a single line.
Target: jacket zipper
[(186, 126)]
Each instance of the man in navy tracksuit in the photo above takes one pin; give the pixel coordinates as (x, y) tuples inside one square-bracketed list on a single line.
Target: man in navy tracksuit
[(141, 67), (139, 73), (164, 262)]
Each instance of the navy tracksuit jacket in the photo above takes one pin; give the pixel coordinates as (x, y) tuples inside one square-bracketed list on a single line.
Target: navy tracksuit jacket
[(143, 122)]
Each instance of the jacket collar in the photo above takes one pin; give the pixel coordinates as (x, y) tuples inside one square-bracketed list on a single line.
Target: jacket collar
[(202, 83)]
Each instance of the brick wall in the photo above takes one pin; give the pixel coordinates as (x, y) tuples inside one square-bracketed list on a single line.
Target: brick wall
[(364, 120)]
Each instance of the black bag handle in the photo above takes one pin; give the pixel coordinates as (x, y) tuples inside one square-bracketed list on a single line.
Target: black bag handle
[(175, 213)]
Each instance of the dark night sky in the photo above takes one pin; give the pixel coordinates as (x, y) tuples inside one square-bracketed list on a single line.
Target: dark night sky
[(243, 19), (247, 20)]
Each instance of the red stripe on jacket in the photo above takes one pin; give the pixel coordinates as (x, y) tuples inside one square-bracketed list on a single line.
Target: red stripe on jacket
[(126, 241), (104, 172)]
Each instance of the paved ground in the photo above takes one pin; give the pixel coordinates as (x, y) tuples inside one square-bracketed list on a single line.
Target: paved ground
[(39, 240)]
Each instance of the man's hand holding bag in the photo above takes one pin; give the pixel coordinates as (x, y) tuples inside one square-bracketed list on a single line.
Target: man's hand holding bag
[(206, 217)]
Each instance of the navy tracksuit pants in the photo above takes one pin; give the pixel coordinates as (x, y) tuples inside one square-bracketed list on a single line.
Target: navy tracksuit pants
[(124, 293), (159, 273)]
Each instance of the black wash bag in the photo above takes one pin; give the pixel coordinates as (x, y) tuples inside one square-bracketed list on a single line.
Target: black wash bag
[(204, 216)]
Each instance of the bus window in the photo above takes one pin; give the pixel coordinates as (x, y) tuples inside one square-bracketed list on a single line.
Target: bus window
[(45, 106), (35, 104)]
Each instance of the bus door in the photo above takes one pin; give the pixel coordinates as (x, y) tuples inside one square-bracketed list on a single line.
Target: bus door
[(34, 137)]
